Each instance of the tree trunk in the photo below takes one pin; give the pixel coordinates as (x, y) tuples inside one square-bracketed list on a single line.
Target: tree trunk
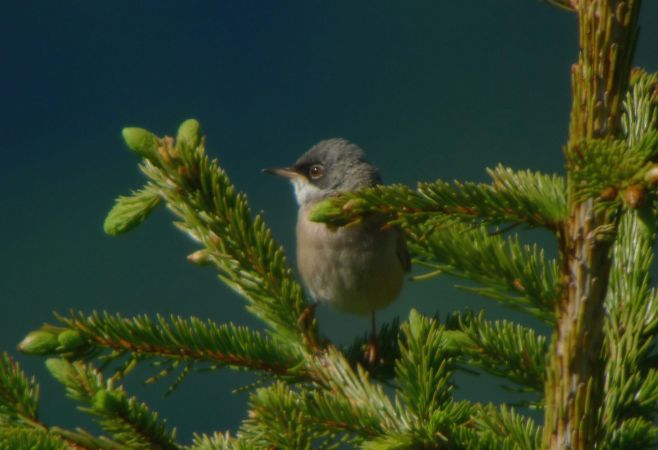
[(574, 385)]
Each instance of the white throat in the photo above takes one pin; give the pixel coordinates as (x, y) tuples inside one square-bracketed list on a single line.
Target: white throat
[(306, 192)]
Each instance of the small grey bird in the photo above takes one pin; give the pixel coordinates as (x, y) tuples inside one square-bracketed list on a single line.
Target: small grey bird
[(358, 268)]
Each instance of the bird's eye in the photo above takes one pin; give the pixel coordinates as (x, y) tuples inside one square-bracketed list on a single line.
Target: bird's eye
[(316, 171)]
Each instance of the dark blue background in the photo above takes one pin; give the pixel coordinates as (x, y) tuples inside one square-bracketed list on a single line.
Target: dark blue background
[(429, 89)]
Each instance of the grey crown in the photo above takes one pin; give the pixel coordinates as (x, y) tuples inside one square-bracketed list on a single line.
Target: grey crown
[(346, 168)]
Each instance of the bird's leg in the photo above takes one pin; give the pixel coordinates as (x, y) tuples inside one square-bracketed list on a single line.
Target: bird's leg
[(371, 349), (307, 317), (309, 313)]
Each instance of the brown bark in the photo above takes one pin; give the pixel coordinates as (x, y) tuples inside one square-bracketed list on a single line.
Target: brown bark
[(574, 385)]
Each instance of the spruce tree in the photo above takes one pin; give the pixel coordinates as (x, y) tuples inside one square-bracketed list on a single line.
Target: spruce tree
[(595, 377)]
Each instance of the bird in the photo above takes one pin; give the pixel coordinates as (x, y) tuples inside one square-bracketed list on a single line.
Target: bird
[(358, 268)]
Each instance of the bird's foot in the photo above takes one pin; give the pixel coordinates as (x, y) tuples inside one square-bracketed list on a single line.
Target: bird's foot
[(306, 318), (308, 315), (371, 353)]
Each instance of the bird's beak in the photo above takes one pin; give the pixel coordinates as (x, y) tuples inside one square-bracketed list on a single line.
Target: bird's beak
[(286, 172)]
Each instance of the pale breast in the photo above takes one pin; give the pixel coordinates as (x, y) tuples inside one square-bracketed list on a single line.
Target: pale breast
[(356, 269)]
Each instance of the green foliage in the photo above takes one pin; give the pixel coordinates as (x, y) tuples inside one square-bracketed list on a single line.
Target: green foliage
[(24, 438), (517, 275), (606, 168), (218, 441), (19, 396), (322, 399), (506, 350), (631, 388), (131, 211), (500, 429), (50, 340), (424, 368), (517, 197), (513, 197), (314, 395), (177, 340), (323, 418), (211, 212), (640, 106), (354, 390), (424, 372), (39, 342), (346, 406), (141, 141), (632, 434), (617, 171), (20, 427), (277, 418), (130, 422), (189, 136)]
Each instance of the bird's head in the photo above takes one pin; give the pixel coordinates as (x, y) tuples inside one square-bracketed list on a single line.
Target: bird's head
[(329, 167)]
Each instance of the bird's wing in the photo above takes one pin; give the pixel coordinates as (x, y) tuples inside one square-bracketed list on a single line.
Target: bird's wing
[(403, 253)]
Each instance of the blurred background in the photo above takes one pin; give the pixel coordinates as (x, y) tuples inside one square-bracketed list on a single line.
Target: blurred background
[(429, 89)]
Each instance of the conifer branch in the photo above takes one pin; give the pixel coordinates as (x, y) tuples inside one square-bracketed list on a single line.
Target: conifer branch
[(286, 418), (354, 386), (218, 441), (504, 349), (601, 377), (517, 275), (391, 441), (631, 434), (631, 391), (81, 439), (424, 369), (211, 212), (345, 407), (130, 211), (423, 374), (130, 422), (640, 107), (612, 170), (513, 197), (275, 419), (20, 426), (17, 438), (500, 428), (19, 396), (524, 196), (191, 340)]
